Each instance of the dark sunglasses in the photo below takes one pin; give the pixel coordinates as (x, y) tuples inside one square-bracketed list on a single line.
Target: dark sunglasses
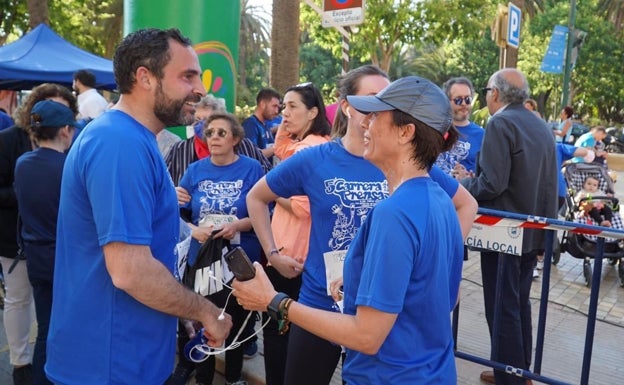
[(222, 133), (486, 89), (458, 101)]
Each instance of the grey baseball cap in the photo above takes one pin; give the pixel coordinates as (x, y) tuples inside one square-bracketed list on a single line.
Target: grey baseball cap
[(413, 95)]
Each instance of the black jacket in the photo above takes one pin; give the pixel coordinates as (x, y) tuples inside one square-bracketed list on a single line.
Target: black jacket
[(14, 141)]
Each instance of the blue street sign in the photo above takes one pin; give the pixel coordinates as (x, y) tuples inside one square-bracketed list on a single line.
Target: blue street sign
[(555, 54), (513, 26)]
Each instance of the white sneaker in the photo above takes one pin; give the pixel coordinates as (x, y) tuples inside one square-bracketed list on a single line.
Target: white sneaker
[(539, 265), (535, 273)]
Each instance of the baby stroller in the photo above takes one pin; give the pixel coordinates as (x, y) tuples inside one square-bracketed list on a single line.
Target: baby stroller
[(584, 245)]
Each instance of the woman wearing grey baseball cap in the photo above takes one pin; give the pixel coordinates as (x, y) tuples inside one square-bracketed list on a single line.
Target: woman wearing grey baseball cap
[(402, 270)]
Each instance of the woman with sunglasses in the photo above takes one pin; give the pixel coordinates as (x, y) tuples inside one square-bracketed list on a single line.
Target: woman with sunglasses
[(304, 124), (212, 192), (342, 188)]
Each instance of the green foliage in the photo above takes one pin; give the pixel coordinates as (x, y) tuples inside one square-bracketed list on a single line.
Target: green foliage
[(13, 17)]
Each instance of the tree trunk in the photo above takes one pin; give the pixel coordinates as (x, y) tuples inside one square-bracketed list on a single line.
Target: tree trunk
[(284, 45), (512, 53), (38, 11)]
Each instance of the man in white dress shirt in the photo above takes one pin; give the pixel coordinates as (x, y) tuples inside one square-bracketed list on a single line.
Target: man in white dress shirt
[(90, 103)]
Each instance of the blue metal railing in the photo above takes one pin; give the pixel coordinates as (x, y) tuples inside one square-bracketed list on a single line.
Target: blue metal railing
[(550, 226)]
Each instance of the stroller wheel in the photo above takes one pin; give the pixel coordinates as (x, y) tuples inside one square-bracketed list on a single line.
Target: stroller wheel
[(621, 273), (556, 256), (587, 273)]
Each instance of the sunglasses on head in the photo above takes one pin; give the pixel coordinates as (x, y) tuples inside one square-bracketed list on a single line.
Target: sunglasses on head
[(222, 133), (458, 101), (303, 85)]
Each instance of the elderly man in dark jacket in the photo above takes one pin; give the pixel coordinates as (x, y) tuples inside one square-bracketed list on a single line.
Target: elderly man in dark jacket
[(518, 173)]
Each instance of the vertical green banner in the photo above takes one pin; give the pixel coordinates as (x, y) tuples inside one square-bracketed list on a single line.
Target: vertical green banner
[(212, 25)]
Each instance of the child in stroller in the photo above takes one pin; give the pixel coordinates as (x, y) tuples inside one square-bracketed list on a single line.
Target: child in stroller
[(579, 177), (600, 212)]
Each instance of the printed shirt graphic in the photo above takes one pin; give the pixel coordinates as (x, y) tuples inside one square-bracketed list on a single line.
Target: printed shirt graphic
[(219, 193), (342, 189), (465, 149)]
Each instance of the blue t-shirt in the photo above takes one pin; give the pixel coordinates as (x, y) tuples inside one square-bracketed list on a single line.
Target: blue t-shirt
[(5, 120), (115, 188), (256, 131), (342, 188), (465, 150), (222, 190), (586, 140), (564, 152), (407, 260), (38, 190)]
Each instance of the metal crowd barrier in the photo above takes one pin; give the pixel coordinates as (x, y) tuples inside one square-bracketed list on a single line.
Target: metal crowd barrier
[(503, 218)]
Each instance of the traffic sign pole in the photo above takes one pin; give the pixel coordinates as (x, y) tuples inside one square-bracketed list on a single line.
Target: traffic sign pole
[(567, 69)]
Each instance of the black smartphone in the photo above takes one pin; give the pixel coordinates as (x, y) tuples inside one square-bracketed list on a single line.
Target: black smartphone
[(239, 264)]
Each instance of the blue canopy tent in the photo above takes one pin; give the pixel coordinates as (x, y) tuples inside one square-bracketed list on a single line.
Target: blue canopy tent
[(42, 56)]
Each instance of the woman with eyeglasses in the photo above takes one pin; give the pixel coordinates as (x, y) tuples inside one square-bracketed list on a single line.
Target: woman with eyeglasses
[(304, 124), (342, 188), (212, 195)]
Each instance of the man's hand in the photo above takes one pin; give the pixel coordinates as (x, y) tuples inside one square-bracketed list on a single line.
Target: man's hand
[(216, 330)]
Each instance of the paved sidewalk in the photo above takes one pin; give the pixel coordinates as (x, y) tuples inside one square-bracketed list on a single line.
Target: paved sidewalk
[(565, 328)]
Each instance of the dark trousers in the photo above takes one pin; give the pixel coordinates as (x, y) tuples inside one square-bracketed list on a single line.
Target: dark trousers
[(40, 267), (597, 214), (275, 344), (311, 359), (512, 345), (233, 358)]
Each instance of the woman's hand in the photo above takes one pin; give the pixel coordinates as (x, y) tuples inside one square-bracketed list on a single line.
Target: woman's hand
[(287, 266), (256, 293), (182, 195), (189, 326), (201, 234), (228, 231), (335, 288)]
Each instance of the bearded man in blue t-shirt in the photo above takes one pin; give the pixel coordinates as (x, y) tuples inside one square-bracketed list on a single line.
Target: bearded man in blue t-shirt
[(116, 300)]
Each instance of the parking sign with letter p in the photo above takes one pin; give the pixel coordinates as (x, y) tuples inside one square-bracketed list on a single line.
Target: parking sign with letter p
[(513, 26)]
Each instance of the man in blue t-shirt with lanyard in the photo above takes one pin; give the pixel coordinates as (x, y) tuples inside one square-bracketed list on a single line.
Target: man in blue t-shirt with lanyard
[(116, 301), (257, 126)]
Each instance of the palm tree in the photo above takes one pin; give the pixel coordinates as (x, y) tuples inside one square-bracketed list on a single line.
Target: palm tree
[(112, 26), (38, 11), (613, 10), (284, 44), (254, 37), (530, 7)]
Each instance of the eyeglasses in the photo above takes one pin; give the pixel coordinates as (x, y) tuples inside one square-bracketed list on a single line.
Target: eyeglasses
[(466, 99), (486, 89), (222, 133)]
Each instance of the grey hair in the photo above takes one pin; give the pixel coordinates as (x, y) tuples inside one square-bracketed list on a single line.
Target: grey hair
[(510, 93), (459, 80), (216, 104)]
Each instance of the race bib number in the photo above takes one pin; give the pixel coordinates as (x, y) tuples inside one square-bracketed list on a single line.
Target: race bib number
[(334, 262), (217, 221)]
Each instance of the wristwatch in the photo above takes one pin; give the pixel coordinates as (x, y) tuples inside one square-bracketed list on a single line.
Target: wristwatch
[(274, 306)]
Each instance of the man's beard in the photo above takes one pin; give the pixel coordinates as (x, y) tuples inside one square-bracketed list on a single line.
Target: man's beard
[(461, 116), (171, 112)]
